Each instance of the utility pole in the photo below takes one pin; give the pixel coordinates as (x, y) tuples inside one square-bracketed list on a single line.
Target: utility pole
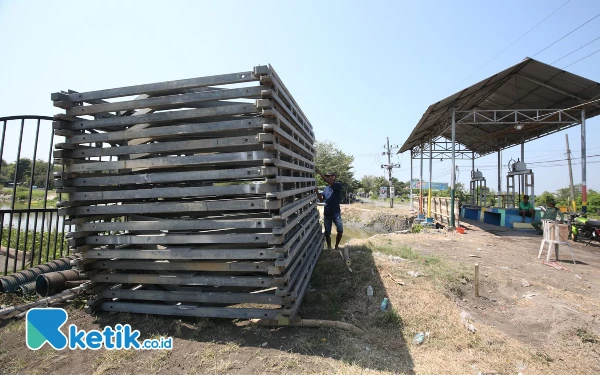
[(571, 176), (389, 166)]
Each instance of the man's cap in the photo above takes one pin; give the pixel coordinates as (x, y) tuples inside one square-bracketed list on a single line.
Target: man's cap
[(330, 173)]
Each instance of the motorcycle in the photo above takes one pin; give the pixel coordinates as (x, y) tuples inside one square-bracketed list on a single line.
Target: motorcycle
[(582, 227)]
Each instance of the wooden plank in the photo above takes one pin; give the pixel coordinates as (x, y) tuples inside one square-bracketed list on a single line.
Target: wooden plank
[(159, 87), (162, 102), (234, 158), (292, 192), (193, 296), (157, 118), (245, 143), (219, 128), (176, 192), (290, 208), (187, 265), (174, 239), (175, 207), (174, 279), (184, 253), (171, 177), (183, 224), (189, 310)]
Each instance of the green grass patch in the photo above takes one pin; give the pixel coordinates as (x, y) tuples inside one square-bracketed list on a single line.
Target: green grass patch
[(443, 274), (587, 336), (389, 318), (26, 241), (416, 228)]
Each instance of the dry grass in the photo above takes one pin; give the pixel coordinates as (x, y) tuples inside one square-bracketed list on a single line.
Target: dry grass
[(426, 304), (113, 359), (421, 304)]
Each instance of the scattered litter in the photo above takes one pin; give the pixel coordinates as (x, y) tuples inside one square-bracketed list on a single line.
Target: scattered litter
[(368, 348), (529, 295), (493, 300), (384, 304), (403, 231), (471, 328), (504, 268), (463, 281), (395, 259), (323, 339), (399, 282), (263, 344), (577, 276), (414, 273), (486, 275), (372, 272), (557, 266), (419, 338), (478, 249), (525, 283), (474, 256), (464, 316), (370, 291)]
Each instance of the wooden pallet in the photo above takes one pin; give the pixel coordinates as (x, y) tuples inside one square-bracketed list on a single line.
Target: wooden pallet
[(191, 197)]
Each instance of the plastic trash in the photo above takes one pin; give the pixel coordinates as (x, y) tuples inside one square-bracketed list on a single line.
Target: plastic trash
[(384, 304), (370, 291), (419, 338)]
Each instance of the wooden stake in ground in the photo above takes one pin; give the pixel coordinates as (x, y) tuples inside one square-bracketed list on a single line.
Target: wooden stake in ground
[(476, 279)]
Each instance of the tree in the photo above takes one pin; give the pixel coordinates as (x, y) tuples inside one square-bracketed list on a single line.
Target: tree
[(593, 198), (544, 197), (367, 184), (398, 186), (329, 158)]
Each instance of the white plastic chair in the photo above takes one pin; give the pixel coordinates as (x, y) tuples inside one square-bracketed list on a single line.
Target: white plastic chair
[(551, 235)]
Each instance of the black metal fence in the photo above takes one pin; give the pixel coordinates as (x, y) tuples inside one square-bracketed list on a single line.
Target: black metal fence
[(32, 231)]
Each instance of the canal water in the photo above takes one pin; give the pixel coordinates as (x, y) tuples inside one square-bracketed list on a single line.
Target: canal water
[(47, 220)]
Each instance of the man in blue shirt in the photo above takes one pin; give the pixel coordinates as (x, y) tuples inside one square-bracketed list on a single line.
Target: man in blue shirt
[(331, 212)]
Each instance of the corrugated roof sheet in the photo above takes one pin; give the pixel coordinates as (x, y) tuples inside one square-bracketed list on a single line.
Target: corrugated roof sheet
[(530, 84)]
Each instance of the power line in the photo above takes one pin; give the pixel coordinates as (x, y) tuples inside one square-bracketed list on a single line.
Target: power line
[(513, 43), (569, 33), (568, 54), (593, 53)]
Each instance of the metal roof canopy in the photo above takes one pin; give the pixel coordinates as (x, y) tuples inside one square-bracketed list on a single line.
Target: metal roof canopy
[(538, 98)]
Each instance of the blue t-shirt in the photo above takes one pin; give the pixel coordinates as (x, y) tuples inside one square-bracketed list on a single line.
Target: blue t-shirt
[(332, 196)]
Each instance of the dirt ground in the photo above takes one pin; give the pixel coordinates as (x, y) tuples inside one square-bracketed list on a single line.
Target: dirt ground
[(529, 319)]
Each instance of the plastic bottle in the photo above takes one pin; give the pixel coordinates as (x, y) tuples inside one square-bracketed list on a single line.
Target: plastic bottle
[(384, 304), (419, 338), (370, 291)]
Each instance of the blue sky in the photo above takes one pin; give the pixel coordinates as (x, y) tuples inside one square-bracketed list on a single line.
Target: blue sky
[(361, 71)]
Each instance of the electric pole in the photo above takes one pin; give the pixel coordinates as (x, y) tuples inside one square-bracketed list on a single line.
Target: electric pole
[(389, 166)]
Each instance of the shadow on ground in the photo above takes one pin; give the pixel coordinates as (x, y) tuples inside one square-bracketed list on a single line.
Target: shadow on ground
[(335, 293)]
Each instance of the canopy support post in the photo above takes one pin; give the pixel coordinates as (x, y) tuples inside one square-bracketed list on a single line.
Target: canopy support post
[(583, 165), (430, 173), (452, 187)]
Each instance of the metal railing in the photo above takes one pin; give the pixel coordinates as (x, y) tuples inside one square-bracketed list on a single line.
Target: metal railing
[(32, 232)]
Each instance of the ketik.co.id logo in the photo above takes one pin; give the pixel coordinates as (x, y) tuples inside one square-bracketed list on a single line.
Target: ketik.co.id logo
[(43, 326)]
